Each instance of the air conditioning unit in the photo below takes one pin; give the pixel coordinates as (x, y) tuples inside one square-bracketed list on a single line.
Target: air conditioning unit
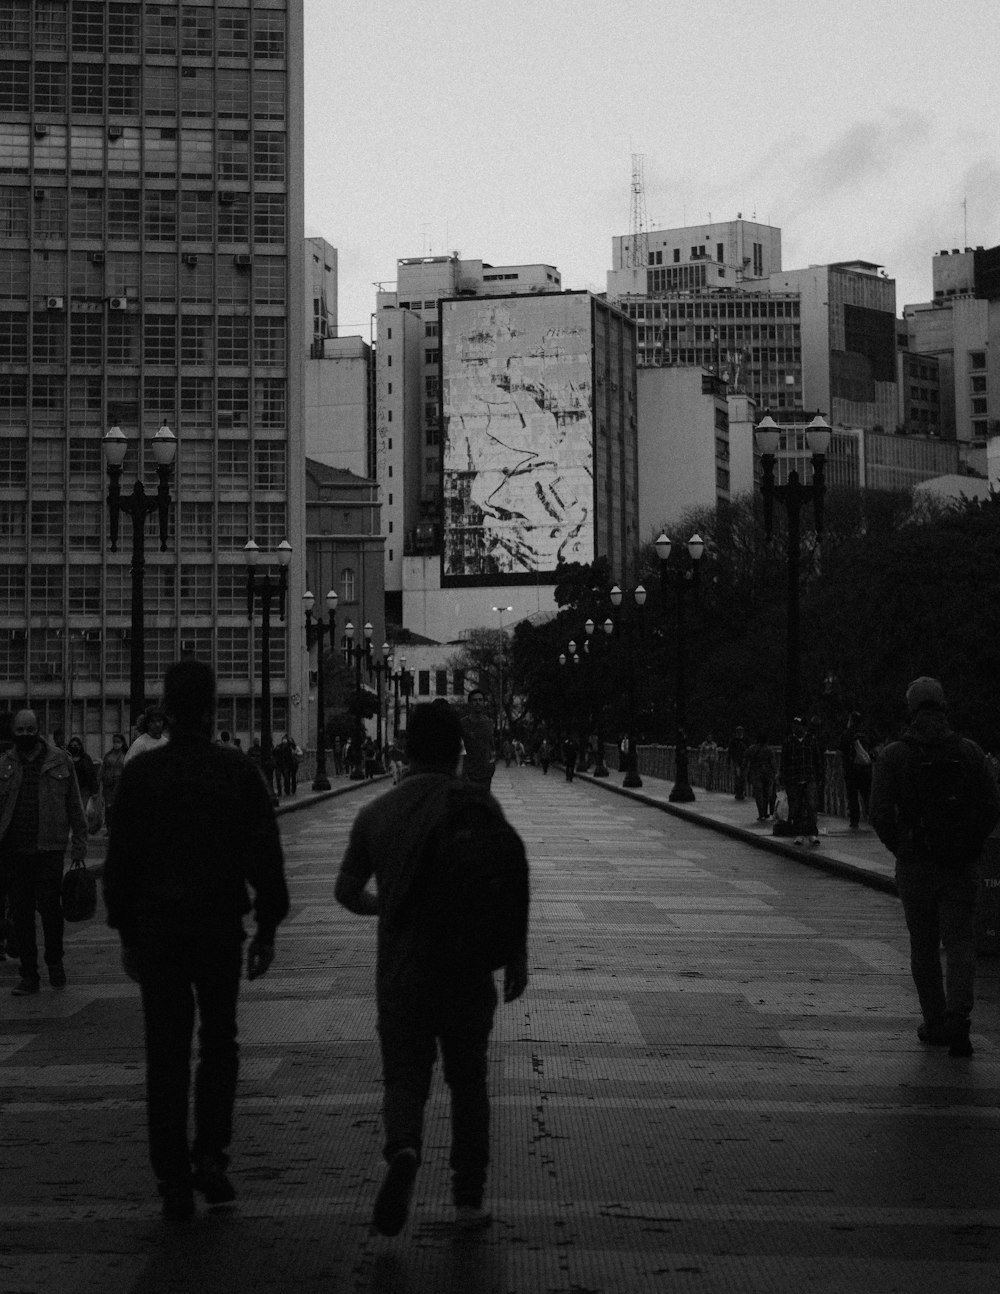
[(92, 635), (40, 195), (95, 258), (190, 258), (188, 645), (243, 261), (117, 303), (226, 199), (40, 130), (54, 303), (115, 132)]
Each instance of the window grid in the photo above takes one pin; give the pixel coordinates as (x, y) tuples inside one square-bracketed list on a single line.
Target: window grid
[(269, 218), (233, 589), (48, 527), (195, 465), (86, 466), (233, 340), (84, 590), (269, 402), (233, 649), (197, 339), (268, 156), (159, 339), (45, 594), (14, 462), (13, 588), (270, 526), (85, 535), (45, 656), (197, 527), (269, 340), (233, 526), (196, 590), (234, 465), (269, 464)]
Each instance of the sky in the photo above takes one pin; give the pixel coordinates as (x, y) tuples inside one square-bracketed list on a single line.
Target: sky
[(864, 129)]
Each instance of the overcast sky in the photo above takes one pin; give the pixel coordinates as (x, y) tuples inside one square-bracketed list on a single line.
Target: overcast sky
[(506, 130)]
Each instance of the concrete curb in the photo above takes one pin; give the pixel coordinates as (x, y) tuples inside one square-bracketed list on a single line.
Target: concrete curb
[(773, 844), (316, 797)]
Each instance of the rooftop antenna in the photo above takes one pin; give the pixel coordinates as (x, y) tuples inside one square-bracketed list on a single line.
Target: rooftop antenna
[(639, 223)]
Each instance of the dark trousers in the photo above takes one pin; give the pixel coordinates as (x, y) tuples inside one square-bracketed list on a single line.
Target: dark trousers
[(570, 767), (35, 881), (858, 785), (763, 790), (940, 908), (411, 1027), (803, 803), (289, 781), (174, 978)]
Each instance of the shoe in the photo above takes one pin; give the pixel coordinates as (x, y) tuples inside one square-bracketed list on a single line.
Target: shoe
[(958, 1037), (392, 1204), (933, 1035), (25, 987), (178, 1201), (209, 1178), (469, 1218), (814, 841), (57, 976), (799, 840)]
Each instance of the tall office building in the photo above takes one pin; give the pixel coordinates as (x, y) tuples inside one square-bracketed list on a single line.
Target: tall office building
[(151, 270)]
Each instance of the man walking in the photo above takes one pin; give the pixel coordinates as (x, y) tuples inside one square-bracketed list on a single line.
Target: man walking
[(193, 826), (934, 802), (801, 774), (40, 809), (421, 1006), (477, 729)]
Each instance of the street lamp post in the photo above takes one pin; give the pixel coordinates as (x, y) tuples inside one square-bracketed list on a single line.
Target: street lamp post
[(382, 669), (500, 612), (682, 579), (631, 778), (321, 781), (270, 588), (138, 506), (569, 681), (600, 767), (358, 653), (793, 496)]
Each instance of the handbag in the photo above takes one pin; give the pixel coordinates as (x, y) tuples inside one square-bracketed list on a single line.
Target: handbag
[(79, 893)]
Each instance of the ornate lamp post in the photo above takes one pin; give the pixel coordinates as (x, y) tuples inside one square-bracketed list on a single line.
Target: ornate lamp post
[(321, 781), (600, 768), (793, 496), (631, 778), (269, 588), (138, 506), (358, 653), (382, 669), (500, 612), (682, 579), (569, 681)]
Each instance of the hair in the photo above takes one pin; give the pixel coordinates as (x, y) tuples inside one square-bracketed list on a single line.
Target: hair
[(476, 691), (434, 736), (189, 691), (224, 735), (154, 711)]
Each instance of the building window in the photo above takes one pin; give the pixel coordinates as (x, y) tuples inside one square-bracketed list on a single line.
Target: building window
[(232, 402), (270, 525), (977, 359), (196, 30), (159, 339), (269, 458), (269, 340), (85, 527), (234, 526), (233, 648), (269, 96), (48, 527), (233, 346), (441, 682), (268, 34), (234, 219), (197, 528), (424, 682), (234, 156), (86, 466), (269, 402), (269, 218), (12, 526), (232, 27), (194, 465), (347, 584), (14, 463), (432, 356), (268, 156), (234, 465), (160, 29), (196, 215), (46, 595), (232, 93)]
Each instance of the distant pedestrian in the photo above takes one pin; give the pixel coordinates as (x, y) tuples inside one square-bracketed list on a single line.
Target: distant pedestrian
[(423, 1006), (569, 754), (508, 752), (152, 736), (111, 775), (545, 754), (760, 773), (737, 756), (857, 760), (477, 728), (396, 759), (286, 765), (40, 813), (83, 766), (934, 802), (193, 827), (801, 769), (371, 758), (225, 737), (708, 755)]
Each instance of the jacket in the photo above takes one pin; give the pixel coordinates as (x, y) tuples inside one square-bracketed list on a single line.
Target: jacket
[(892, 812), (801, 760), (60, 809)]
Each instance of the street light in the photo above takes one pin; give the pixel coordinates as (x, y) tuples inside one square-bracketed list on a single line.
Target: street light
[(402, 680), (793, 496), (321, 781), (138, 506), (600, 767), (269, 588), (682, 578), (569, 682), (500, 611), (357, 653), (382, 669), (631, 778)]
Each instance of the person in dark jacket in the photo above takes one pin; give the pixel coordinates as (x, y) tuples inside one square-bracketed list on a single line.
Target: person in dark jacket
[(84, 767), (419, 1007), (939, 895), (760, 774), (856, 758), (801, 776), (193, 826), (480, 754)]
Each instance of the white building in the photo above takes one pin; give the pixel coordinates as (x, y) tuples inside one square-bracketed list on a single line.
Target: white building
[(339, 415)]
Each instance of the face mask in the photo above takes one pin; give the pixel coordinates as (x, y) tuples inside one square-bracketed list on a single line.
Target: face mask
[(25, 741)]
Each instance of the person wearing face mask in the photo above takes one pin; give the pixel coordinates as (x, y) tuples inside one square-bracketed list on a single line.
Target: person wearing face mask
[(40, 810), (83, 766)]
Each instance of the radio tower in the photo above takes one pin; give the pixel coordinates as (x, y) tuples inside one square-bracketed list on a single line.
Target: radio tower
[(639, 225)]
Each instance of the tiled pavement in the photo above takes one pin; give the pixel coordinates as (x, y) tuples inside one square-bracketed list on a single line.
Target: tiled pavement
[(711, 1084)]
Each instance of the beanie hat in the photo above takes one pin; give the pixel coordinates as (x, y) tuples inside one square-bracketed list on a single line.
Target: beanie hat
[(923, 692)]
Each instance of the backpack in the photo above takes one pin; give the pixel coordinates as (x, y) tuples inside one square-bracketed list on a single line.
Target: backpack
[(946, 818), (79, 893), (469, 903)]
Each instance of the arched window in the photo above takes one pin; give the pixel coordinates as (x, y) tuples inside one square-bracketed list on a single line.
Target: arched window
[(347, 585)]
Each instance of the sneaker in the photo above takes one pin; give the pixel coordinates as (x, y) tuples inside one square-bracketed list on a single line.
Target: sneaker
[(57, 976), (392, 1204), (814, 841), (958, 1037), (178, 1201), (799, 840), (933, 1035), (469, 1218), (210, 1179), (25, 987)]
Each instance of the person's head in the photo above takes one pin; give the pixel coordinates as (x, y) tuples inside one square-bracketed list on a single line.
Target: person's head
[(854, 718), (118, 741), (925, 693), (154, 719), (24, 730), (798, 727), (75, 747), (739, 731), (224, 737), (189, 695), (434, 739), (477, 700)]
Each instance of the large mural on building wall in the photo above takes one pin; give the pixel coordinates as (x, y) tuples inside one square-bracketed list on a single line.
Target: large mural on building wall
[(517, 436)]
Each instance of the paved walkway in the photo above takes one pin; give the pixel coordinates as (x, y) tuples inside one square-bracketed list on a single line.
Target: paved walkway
[(712, 1084)]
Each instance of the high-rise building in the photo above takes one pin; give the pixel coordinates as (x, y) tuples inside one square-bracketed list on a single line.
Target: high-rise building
[(151, 270), (321, 293)]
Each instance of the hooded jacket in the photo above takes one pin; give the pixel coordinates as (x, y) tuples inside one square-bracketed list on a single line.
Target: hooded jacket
[(893, 811)]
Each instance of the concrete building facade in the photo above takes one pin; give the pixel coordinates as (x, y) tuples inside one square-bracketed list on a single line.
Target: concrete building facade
[(339, 404), (321, 293), (151, 270)]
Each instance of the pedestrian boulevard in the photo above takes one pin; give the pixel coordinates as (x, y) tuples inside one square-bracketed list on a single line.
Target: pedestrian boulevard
[(713, 1083)]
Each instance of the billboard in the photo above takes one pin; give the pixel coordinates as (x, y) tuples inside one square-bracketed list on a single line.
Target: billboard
[(517, 452)]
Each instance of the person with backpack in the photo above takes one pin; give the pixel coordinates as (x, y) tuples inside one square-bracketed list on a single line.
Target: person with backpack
[(933, 803), (451, 897)]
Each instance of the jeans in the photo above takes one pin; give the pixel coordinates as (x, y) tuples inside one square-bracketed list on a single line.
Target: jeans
[(940, 908), (411, 1026), (803, 803), (175, 975), (35, 880), (763, 788), (858, 785)]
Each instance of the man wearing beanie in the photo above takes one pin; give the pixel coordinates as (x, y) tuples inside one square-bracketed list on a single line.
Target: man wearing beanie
[(933, 803), (421, 1006)]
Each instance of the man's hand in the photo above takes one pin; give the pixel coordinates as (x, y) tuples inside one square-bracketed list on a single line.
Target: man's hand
[(130, 964), (515, 978), (259, 958)]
